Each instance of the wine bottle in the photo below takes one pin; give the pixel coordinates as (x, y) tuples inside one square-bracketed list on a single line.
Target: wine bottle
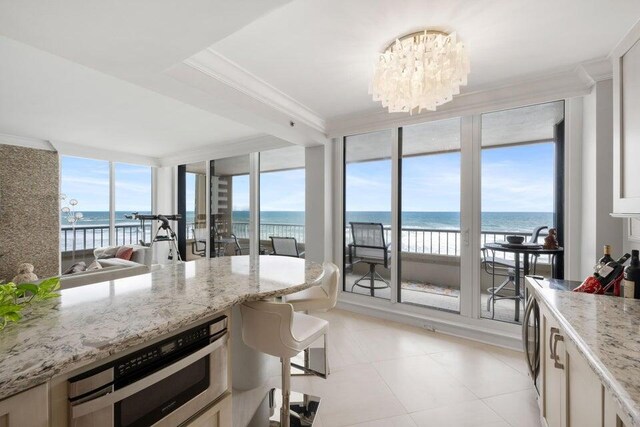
[(606, 258), (608, 274), (631, 281)]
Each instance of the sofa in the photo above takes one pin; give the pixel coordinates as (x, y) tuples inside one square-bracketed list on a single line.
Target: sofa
[(111, 267)]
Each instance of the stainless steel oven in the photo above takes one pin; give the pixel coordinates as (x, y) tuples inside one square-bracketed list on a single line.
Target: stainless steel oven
[(163, 384)]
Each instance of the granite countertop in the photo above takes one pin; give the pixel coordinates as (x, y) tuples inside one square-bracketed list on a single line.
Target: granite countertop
[(92, 322), (606, 330)]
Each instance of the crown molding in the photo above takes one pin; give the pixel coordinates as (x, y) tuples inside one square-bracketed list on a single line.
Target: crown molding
[(591, 72), (21, 141), (228, 72), (77, 150), (562, 84), (236, 147)]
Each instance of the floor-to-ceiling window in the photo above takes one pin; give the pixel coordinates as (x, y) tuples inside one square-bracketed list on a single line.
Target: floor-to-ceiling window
[(519, 184), (459, 182), (282, 201), (132, 194), (230, 194), (430, 215), (367, 214), (86, 210)]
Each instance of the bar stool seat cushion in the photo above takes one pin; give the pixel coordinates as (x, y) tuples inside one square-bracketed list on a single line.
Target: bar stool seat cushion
[(275, 329)]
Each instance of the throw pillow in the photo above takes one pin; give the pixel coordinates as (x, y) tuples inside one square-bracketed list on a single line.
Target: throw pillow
[(76, 268), (108, 252), (124, 252), (95, 265)]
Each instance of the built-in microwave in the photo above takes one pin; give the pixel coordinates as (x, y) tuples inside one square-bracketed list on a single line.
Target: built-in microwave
[(162, 385)]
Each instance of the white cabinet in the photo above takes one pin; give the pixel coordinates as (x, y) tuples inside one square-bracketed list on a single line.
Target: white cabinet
[(552, 363), (626, 124), (29, 408), (584, 391), (572, 394)]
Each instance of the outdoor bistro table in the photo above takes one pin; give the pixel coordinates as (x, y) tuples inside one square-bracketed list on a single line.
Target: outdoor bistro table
[(526, 250)]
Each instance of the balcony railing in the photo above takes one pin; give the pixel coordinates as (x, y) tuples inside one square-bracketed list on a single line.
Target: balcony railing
[(414, 240), (96, 236)]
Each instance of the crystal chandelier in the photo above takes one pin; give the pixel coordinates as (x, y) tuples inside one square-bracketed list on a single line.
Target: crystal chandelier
[(421, 70)]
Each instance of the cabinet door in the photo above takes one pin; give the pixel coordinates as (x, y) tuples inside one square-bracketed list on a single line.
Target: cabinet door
[(29, 408), (217, 415), (552, 363), (626, 123), (585, 397)]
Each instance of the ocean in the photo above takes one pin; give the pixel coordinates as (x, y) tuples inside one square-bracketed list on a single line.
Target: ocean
[(491, 221)]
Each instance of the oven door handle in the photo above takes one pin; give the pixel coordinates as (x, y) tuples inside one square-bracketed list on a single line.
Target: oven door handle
[(111, 398)]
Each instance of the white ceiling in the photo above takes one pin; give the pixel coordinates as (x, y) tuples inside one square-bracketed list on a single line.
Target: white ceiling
[(111, 74), (321, 52), (47, 97)]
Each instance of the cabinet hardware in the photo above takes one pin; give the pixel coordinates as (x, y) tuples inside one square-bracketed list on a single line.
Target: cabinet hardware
[(556, 361), (552, 351)]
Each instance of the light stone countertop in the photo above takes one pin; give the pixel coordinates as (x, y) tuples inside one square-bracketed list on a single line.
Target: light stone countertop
[(606, 330), (89, 323)]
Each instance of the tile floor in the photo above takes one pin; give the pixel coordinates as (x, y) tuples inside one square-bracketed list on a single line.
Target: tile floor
[(389, 374)]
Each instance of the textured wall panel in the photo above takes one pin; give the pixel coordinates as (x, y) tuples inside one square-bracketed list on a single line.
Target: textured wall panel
[(29, 216)]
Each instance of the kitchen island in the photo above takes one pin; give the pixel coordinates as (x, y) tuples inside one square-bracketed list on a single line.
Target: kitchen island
[(92, 323), (591, 343)]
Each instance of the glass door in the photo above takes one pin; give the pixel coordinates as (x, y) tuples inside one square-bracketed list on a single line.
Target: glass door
[(430, 237), (367, 214), (521, 196), (229, 220), (282, 201)]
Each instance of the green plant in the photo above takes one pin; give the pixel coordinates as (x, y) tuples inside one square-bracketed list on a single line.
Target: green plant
[(14, 298)]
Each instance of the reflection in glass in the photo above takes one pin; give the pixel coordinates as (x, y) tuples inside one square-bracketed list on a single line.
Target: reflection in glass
[(229, 231)]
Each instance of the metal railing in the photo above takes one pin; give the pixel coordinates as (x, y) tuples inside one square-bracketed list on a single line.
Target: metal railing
[(414, 240), (96, 236), (241, 230)]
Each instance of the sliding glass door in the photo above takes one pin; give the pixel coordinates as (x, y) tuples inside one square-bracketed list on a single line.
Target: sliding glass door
[(422, 201), (430, 244), (282, 201), (520, 182), (229, 220), (367, 214)]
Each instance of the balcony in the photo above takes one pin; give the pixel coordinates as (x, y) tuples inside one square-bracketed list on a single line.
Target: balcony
[(431, 259)]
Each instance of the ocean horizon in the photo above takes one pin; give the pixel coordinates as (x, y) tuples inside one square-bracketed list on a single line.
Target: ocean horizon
[(491, 221)]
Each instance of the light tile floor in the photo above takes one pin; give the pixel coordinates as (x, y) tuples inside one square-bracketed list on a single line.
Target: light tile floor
[(389, 374)]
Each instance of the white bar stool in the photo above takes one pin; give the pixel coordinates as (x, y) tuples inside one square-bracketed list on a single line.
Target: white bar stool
[(274, 328), (321, 298)]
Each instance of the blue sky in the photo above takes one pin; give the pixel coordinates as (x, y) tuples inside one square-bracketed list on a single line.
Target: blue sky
[(87, 181), (514, 179)]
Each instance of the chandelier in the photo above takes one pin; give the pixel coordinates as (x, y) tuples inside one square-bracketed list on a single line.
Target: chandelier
[(420, 70)]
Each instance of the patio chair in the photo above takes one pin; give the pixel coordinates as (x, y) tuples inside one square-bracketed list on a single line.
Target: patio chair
[(199, 244), (285, 246), (502, 267), (369, 246), (238, 249)]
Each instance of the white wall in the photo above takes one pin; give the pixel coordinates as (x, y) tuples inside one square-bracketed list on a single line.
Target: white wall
[(314, 204), (598, 227)]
